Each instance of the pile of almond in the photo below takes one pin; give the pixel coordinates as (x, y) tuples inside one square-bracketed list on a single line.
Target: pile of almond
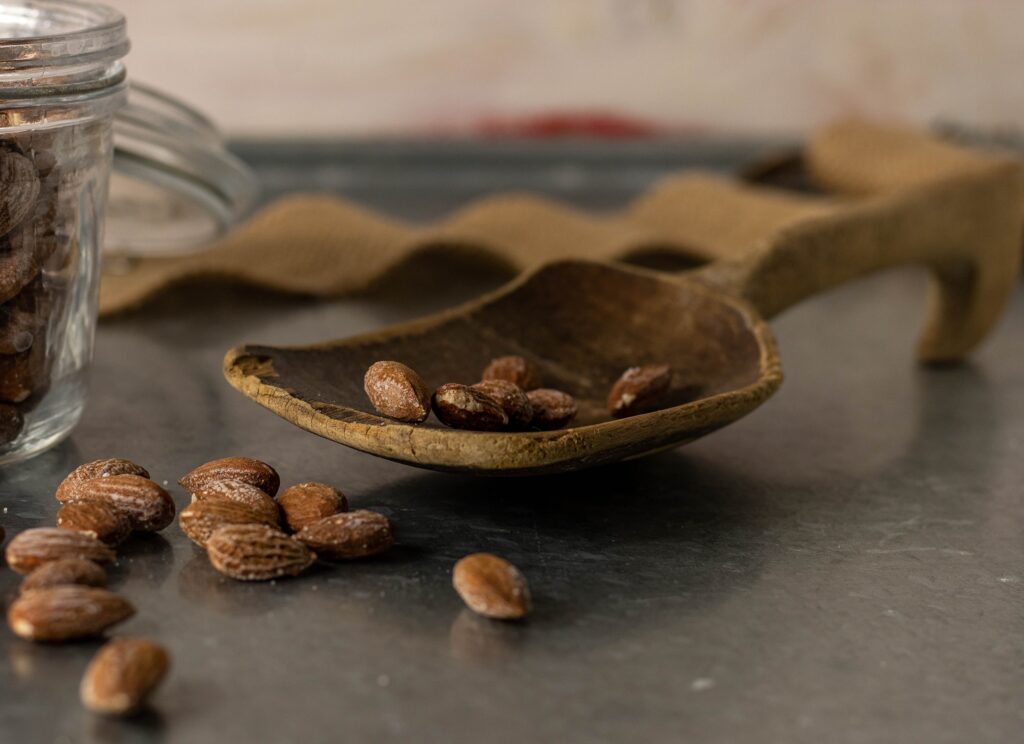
[(251, 536), (509, 396), (63, 595)]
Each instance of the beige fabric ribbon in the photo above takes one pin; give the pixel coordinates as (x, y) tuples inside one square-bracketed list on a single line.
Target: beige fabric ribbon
[(327, 246)]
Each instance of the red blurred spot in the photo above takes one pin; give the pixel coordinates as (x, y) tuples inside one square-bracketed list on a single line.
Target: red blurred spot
[(568, 124)]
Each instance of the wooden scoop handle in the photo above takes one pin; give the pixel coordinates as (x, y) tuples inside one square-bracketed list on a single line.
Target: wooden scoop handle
[(956, 211)]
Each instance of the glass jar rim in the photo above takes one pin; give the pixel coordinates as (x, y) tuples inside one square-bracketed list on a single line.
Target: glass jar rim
[(64, 33)]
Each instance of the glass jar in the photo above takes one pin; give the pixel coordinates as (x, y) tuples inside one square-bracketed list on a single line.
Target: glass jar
[(61, 82)]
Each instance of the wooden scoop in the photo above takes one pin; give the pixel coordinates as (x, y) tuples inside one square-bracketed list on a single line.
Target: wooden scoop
[(584, 322)]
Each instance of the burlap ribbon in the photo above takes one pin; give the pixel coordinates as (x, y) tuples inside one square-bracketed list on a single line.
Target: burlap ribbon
[(327, 246)]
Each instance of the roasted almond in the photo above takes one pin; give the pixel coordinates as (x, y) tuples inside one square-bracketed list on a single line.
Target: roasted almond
[(21, 187), (254, 472), (396, 391), (148, 507), (97, 518), (552, 409), (639, 390), (11, 423), (512, 399), (255, 552), (64, 613), (514, 369), (79, 571), (305, 503), (462, 407), (242, 493), (122, 675), (32, 548), (199, 519), (491, 586), (356, 534), (96, 469)]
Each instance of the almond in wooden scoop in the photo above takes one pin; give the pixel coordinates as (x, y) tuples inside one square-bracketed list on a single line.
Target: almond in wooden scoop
[(512, 399), (552, 409), (639, 390), (514, 369), (396, 391), (122, 675), (462, 407)]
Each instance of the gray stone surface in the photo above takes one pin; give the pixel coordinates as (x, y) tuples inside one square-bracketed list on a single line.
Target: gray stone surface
[(845, 565)]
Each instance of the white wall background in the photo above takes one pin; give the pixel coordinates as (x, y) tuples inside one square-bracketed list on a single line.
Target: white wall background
[(356, 67)]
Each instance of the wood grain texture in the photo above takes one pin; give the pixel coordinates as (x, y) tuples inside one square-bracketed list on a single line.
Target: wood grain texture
[(598, 319)]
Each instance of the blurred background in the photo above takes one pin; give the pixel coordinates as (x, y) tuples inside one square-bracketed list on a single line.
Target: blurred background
[(345, 68)]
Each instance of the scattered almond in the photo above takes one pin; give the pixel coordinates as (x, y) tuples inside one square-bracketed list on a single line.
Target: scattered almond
[(511, 398), (491, 586), (254, 472), (396, 391), (199, 519), (96, 518), (148, 507), (255, 552), (242, 493), (122, 675), (32, 548), (305, 503), (63, 613), (356, 534), (96, 469), (639, 390), (552, 409), (514, 369), (80, 571), (462, 407)]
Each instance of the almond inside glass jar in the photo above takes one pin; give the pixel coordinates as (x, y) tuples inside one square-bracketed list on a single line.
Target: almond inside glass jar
[(61, 80)]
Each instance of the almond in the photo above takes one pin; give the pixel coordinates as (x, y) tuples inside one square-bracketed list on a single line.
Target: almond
[(122, 675), (491, 586), (305, 503), (255, 552), (254, 472), (96, 469), (552, 409), (357, 534), (11, 423), (639, 390), (462, 407), (514, 369), (65, 571), (20, 189), (396, 391), (199, 519), (242, 493), (32, 548), (512, 399), (148, 507), (63, 613), (96, 518)]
